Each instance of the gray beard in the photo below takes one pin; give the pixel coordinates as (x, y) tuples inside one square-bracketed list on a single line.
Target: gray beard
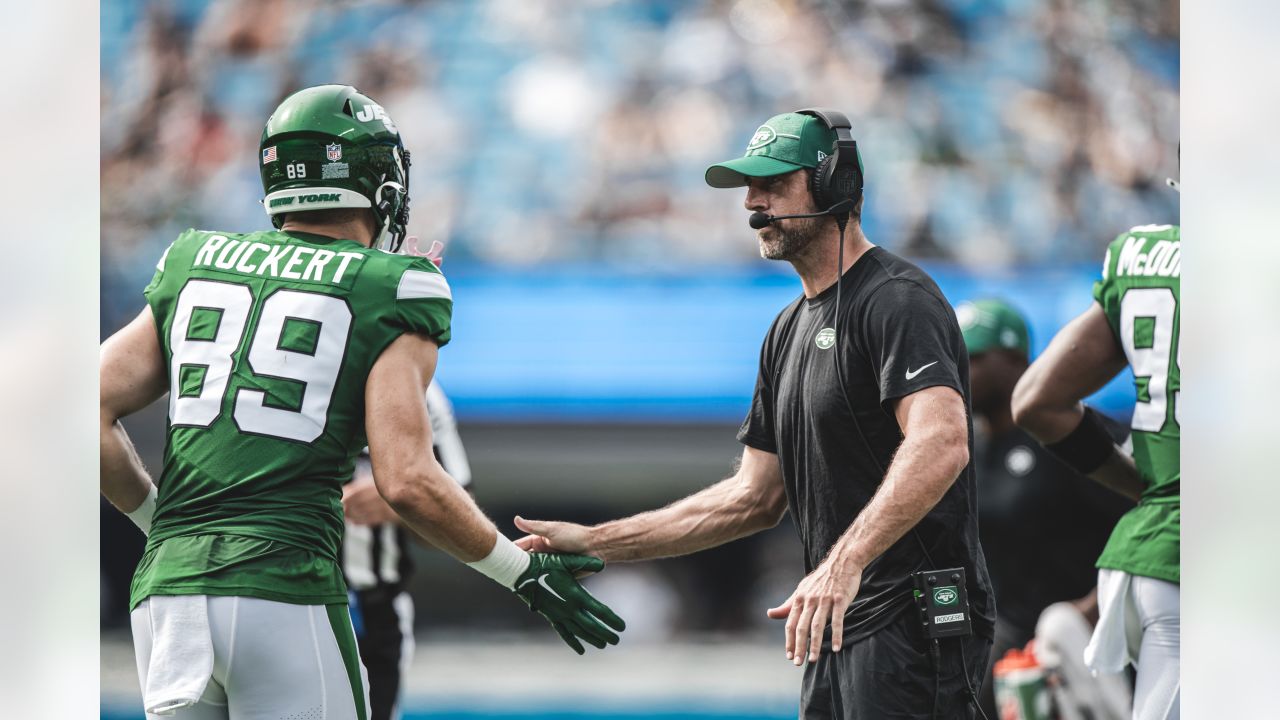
[(792, 241)]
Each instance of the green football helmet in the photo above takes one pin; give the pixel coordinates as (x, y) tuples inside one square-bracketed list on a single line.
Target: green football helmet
[(329, 147)]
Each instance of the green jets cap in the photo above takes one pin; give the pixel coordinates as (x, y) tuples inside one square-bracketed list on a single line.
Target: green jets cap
[(989, 324), (785, 143)]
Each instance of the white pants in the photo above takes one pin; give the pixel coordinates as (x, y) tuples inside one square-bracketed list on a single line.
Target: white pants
[(1061, 636), (271, 660), (1139, 622)]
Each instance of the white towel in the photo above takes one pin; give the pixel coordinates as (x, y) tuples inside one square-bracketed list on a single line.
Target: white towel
[(181, 653), (1062, 634), (1118, 635)]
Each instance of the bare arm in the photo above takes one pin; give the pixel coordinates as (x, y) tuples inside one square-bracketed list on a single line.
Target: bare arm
[(750, 501), (131, 376), (435, 507), (405, 469), (934, 450), (1080, 359), (362, 504)]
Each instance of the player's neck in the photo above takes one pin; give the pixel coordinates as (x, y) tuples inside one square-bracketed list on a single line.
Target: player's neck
[(817, 269), (356, 231)]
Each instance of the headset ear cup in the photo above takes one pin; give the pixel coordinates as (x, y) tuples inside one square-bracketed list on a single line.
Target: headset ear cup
[(819, 183), (845, 184)]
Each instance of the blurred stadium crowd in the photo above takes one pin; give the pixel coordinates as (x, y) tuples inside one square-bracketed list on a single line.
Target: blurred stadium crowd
[(995, 132)]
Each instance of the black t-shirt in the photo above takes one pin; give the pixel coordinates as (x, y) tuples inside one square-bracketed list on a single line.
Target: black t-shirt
[(899, 336), (1042, 525)]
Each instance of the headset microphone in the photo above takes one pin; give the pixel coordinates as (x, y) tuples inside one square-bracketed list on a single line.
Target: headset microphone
[(759, 220)]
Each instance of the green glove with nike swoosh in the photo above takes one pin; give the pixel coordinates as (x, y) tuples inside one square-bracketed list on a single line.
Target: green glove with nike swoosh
[(550, 588)]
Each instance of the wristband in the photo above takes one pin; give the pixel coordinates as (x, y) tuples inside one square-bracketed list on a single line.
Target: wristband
[(1087, 447), (504, 563), (141, 516)]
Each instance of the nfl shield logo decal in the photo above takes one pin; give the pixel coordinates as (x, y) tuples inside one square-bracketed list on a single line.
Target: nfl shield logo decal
[(333, 152)]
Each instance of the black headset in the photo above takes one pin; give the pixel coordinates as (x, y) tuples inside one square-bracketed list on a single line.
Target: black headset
[(838, 176)]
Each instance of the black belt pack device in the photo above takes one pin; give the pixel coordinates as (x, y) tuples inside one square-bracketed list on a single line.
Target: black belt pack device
[(943, 602)]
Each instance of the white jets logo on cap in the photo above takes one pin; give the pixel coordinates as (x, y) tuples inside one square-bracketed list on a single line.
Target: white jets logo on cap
[(763, 136)]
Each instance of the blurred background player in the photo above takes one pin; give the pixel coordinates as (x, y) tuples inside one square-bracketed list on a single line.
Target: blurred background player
[(1133, 321), (377, 563), (1041, 527), (281, 351)]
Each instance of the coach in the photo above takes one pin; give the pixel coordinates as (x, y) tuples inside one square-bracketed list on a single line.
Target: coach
[(860, 423)]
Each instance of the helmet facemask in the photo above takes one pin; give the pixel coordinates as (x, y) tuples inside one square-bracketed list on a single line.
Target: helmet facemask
[(391, 205)]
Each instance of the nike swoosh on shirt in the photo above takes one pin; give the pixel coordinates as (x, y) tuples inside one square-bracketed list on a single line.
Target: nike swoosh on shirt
[(912, 373)]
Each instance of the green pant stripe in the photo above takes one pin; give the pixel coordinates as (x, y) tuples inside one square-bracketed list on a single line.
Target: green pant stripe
[(340, 622)]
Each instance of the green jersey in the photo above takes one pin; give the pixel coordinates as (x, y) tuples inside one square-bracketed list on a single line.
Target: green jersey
[(268, 339), (1140, 294)]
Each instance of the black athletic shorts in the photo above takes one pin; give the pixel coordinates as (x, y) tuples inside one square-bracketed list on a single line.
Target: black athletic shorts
[(891, 676)]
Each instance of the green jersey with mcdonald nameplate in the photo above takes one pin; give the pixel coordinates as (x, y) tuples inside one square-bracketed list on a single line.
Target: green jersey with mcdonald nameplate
[(268, 339), (1140, 292)]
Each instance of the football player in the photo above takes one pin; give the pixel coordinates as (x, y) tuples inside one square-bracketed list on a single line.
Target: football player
[(281, 351), (1134, 321)]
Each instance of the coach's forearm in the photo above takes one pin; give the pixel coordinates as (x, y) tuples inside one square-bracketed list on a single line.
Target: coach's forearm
[(122, 478), (922, 471), (726, 511)]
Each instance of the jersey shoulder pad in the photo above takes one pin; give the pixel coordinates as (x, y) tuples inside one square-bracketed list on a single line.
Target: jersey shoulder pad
[(173, 255), (420, 279), (423, 299)]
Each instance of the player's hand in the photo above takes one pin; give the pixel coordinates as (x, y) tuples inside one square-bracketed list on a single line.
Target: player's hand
[(549, 588), (363, 504), (549, 536), (824, 595)]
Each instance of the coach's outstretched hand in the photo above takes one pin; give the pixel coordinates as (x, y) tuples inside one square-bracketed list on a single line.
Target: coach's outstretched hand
[(549, 587), (552, 536)]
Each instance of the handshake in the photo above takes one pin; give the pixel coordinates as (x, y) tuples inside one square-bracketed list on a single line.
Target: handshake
[(549, 583), (549, 586)]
